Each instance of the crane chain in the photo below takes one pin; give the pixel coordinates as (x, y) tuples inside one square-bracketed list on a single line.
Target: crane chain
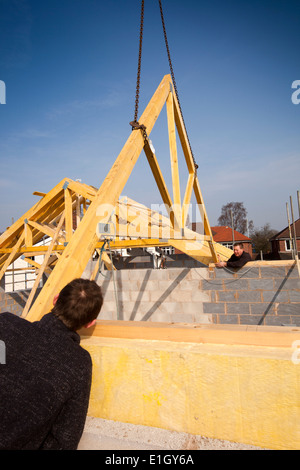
[(135, 124), (173, 77)]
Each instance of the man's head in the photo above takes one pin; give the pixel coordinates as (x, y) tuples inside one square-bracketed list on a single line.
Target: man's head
[(78, 304), (238, 249)]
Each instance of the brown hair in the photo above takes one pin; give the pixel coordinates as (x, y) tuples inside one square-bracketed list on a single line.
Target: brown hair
[(78, 303), (240, 244)]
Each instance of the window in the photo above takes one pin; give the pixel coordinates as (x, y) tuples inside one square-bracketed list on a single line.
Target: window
[(288, 245), (169, 250), (228, 245)]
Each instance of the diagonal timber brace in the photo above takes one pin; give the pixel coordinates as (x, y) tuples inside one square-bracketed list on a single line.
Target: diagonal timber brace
[(82, 245)]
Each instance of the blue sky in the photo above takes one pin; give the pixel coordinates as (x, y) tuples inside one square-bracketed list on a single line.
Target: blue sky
[(70, 67)]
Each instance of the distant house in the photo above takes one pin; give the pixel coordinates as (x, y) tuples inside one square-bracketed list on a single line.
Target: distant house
[(223, 235), (282, 243)]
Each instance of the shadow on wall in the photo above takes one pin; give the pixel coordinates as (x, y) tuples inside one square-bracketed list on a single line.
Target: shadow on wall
[(156, 304), (273, 300)]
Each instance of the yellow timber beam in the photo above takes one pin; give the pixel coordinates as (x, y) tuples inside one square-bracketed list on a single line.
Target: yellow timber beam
[(78, 238), (83, 242)]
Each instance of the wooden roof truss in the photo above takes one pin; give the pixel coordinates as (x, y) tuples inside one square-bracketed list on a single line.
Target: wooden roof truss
[(71, 212)]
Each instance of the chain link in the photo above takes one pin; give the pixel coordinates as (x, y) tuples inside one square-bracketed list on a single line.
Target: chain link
[(173, 77), (135, 124)]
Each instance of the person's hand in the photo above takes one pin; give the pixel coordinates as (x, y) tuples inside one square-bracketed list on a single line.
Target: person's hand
[(220, 264)]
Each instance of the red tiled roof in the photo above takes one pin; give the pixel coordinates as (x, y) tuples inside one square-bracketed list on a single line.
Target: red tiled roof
[(224, 234)]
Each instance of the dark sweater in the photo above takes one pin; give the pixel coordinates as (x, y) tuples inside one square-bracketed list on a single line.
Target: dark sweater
[(44, 384), (238, 261)]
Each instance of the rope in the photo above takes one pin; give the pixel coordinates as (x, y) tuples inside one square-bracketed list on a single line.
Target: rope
[(115, 288), (212, 281), (113, 274), (100, 260)]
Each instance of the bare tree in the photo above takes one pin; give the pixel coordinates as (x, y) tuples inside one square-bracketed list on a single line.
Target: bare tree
[(261, 238), (235, 212)]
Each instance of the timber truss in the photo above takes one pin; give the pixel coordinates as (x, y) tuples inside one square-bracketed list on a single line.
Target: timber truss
[(75, 216)]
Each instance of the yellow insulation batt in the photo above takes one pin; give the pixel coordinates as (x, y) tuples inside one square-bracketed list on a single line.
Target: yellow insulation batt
[(239, 392)]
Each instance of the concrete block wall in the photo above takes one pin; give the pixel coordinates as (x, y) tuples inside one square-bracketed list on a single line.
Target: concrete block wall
[(261, 293), (13, 302), (258, 294), (165, 295)]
